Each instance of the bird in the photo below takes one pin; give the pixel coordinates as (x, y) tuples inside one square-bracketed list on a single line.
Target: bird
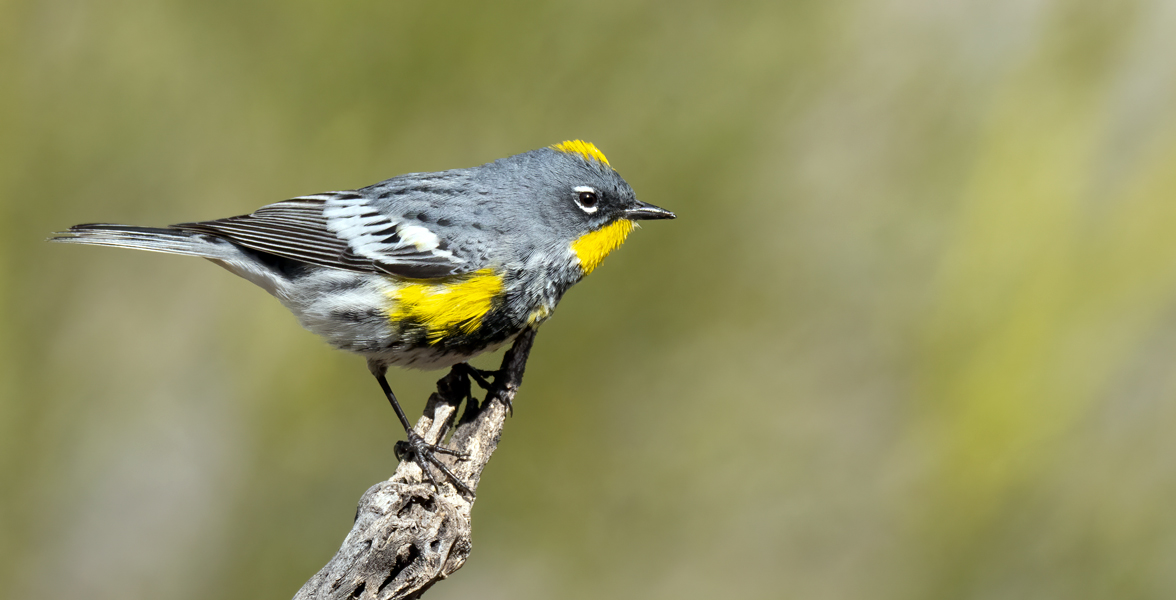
[(423, 270)]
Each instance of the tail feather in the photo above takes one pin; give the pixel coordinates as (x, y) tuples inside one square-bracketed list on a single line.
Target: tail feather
[(252, 265), (152, 239)]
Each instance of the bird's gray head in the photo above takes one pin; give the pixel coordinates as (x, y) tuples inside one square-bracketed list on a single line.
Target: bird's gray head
[(570, 191)]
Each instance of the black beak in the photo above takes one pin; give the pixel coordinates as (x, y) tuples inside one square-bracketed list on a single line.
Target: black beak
[(646, 212)]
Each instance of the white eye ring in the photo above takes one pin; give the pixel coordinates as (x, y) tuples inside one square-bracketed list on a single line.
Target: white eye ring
[(587, 198)]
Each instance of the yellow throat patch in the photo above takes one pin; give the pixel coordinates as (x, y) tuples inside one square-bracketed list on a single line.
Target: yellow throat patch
[(449, 306), (592, 247), (585, 149)]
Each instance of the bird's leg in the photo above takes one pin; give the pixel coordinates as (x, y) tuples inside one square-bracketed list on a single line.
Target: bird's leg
[(416, 446)]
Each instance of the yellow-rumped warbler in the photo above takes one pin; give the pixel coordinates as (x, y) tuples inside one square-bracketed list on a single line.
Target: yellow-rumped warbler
[(423, 270)]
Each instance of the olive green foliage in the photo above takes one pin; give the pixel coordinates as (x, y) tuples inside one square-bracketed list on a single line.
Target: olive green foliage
[(912, 336)]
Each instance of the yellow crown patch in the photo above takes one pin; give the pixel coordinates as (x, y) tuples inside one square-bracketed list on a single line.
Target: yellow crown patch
[(585, 149)]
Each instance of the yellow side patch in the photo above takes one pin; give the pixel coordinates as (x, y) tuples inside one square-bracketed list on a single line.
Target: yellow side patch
[(450, 306), (585, 149), (592, 247)]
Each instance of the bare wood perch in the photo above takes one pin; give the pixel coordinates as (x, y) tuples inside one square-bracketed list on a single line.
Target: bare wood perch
[(406, 537)]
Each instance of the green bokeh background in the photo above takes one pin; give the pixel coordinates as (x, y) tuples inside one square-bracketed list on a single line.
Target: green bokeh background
[(911, 337)]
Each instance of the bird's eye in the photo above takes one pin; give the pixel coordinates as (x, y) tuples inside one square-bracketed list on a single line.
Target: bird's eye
[(587, 199)]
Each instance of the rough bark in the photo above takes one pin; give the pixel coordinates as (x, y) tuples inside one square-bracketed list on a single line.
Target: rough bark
[(406, 536)]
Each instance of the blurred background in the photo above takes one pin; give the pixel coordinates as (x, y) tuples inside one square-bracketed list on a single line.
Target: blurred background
[(911, 337)]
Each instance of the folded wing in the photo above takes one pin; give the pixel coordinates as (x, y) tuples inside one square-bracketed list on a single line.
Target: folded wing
[(341, 230)]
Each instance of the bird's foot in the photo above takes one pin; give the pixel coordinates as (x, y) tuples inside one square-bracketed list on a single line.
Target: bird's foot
[(482, 377), (426, 454), (479, 376)]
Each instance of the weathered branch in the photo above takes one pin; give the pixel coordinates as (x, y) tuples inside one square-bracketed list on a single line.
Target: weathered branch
[(406, 537)]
